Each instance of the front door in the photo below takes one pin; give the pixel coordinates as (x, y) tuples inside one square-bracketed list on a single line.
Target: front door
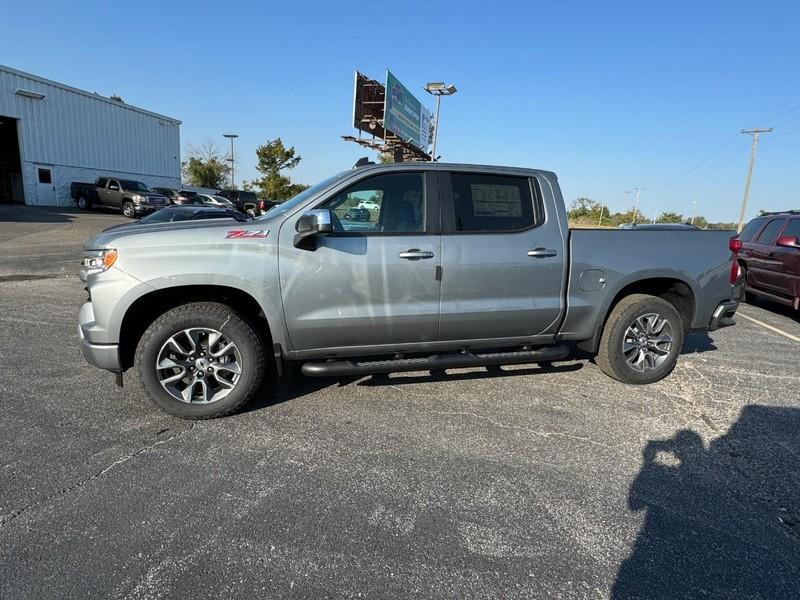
[(45, 186), (502, 258), (374, 280)]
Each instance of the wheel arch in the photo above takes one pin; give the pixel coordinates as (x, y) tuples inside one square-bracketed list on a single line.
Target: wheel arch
[(674, 290), (148, 307)]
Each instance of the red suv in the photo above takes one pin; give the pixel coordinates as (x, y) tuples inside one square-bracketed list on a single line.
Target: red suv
[(768, 255)]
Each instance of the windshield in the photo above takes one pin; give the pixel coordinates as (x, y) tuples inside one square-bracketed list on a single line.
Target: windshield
[(167, 215), (223, 201), (134, 186), (285, 207)]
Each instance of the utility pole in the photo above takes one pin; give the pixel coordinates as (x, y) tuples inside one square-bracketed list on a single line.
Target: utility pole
[(636, 209), (232, 136), (754, 133), (694, 210), (602, 207)]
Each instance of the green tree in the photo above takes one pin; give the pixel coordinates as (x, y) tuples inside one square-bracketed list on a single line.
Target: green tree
[(205, 166), (274, 157), (670, 217)]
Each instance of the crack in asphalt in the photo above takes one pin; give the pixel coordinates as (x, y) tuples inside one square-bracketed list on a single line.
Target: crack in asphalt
[(71, 488), (538, 432)]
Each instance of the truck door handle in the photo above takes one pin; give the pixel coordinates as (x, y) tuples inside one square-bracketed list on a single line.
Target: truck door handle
[(415, 253), (542, 252)]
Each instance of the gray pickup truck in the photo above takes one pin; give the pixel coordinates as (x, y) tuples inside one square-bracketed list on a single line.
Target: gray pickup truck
[(456, 266), (132, 197)]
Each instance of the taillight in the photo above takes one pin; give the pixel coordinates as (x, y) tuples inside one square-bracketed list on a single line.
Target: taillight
[(262, 205), (734, 272), (735, 244)]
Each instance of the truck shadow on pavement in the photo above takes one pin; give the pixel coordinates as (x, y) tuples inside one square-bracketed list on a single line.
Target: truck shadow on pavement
[(19, 213), (721, 521)]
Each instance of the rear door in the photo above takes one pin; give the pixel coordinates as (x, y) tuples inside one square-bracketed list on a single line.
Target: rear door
[(371, 282), (502, 258), (788, 274), (764, 266)]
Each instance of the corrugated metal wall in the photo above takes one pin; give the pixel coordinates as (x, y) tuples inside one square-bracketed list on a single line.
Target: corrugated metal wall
[(70, 128)]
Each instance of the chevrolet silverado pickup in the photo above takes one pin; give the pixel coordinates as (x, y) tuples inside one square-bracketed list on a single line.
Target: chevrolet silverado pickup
[(463, 266)]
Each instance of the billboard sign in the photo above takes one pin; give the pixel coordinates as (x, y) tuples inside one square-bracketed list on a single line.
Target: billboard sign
[(404, 115)]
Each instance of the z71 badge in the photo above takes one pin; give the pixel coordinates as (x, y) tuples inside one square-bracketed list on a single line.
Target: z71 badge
[(246, 233)]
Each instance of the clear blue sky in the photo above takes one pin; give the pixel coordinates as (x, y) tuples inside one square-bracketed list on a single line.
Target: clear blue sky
[(610, 95)]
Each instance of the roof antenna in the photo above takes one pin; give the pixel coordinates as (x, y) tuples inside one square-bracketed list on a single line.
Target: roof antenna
[(363, 162)]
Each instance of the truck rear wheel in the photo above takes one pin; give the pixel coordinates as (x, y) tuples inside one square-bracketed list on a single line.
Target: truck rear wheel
[(641, 340), (83, 203), (200, 360)]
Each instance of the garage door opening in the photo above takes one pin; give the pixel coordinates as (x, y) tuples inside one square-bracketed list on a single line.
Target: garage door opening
[(11, 189)]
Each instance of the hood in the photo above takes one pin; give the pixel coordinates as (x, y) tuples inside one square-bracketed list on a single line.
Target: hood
[(117, 232)]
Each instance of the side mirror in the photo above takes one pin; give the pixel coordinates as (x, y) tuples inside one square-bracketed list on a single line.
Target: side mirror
[(788, 241), (312, 223)]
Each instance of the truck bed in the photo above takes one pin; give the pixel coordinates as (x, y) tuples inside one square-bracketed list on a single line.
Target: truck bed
[(603, 262)]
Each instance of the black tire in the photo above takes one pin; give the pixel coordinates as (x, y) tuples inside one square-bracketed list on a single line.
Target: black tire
[(749, 297), (84, 204), (251, 212), (128, 209), (610, 357), (202, 314)]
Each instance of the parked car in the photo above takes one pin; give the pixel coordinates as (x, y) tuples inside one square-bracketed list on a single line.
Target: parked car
[(132, 197), (368, 204), (214, 200), (660, 226), (247, 202), (768, 257), (483, 272), (177, 196), (357, 214), (176, 214)]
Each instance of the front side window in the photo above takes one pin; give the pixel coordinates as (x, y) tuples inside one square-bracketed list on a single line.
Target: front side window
[(770, 233), (392, 203), (492, 202)]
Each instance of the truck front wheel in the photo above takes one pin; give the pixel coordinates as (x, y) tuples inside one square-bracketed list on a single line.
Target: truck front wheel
[(641, 340), (128, 209), (200, 360)]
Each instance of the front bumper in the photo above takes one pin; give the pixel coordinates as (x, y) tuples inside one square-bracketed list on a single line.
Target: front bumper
[(104, 356), (725, 310)]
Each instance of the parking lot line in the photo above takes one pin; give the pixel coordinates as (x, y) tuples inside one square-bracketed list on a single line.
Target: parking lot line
[(770, 327)]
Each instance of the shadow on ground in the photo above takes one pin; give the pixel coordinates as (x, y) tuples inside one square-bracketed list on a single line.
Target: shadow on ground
[(721, 521), (780, 309), (18, 213)]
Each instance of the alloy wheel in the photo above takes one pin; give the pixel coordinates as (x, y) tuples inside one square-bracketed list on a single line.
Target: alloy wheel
[(647, 342), (199, 365)]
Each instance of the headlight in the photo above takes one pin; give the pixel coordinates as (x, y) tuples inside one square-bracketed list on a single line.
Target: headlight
[(139, 199), (97, 261)]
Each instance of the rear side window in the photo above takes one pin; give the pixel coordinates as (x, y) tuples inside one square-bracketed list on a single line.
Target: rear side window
[(492, 202), (793, 228), (101, 183), (770, 233), (248, 197), (751, 229)]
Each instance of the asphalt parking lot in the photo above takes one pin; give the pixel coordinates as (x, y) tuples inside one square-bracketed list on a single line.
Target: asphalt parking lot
[(521, 482)]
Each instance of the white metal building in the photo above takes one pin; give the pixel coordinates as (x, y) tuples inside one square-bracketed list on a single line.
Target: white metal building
[(53, 134)]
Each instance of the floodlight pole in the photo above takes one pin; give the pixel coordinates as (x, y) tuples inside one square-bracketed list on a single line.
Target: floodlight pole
[(232, 136), (438, 89), (436, 127), (636, 208)]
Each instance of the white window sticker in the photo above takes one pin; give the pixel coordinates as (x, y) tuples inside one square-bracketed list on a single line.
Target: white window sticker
[(496, 200)]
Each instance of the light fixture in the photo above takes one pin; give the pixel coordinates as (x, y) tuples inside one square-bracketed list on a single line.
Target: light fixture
[(29, 94)]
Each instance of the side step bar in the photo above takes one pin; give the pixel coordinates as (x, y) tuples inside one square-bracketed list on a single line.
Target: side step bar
[(338, 368)]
